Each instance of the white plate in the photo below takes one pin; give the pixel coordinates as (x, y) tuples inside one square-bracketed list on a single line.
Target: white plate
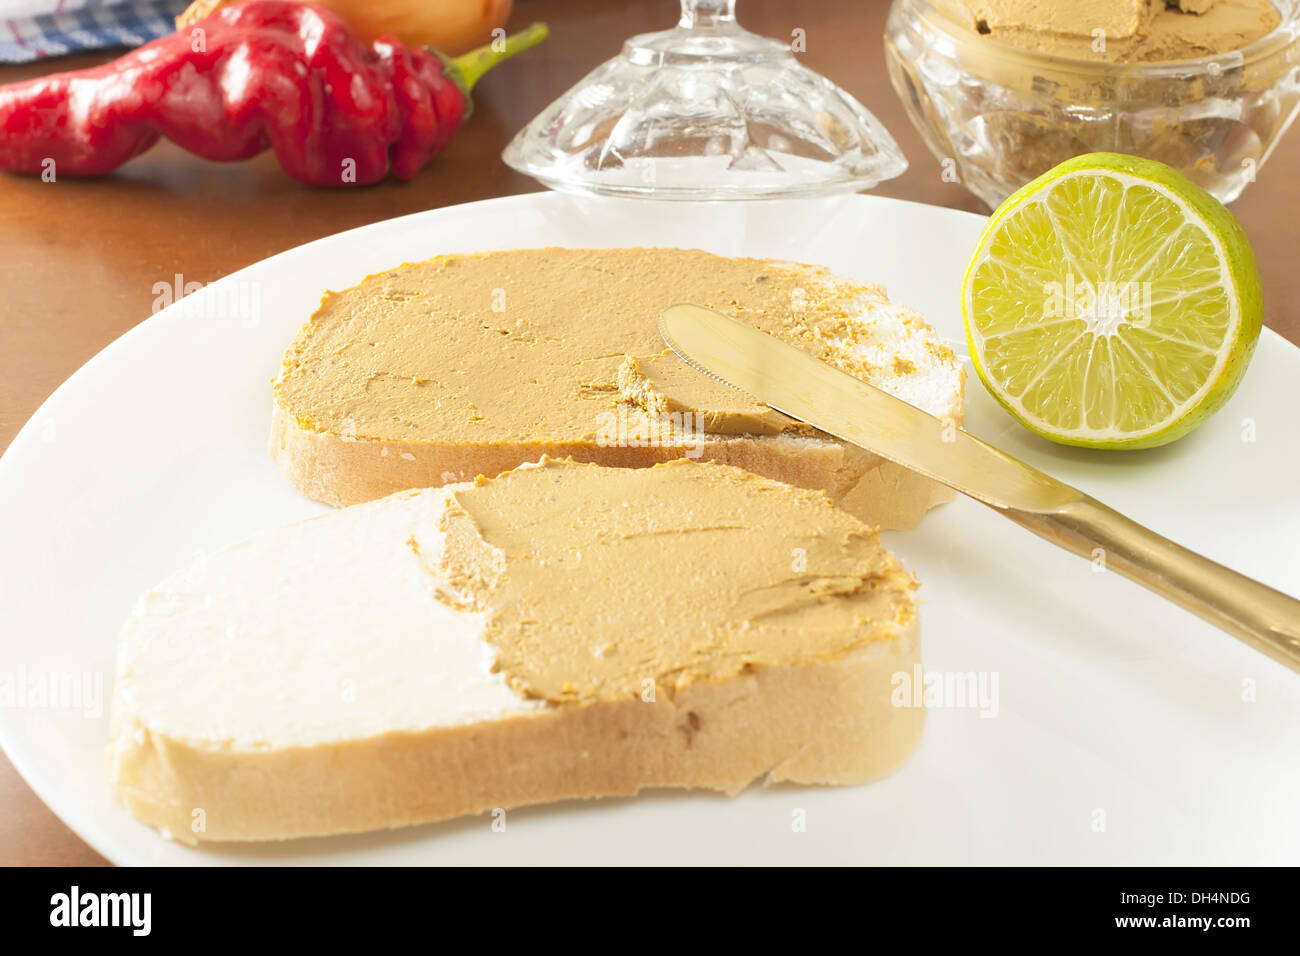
[(1125, 731)]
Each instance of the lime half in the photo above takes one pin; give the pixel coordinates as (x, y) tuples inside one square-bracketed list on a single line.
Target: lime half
[(1112, 303)]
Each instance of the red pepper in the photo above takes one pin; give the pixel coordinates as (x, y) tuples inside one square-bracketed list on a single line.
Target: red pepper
[(265, 73)]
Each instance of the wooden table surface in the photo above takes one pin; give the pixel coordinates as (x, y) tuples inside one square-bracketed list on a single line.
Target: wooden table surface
[(78, 259)]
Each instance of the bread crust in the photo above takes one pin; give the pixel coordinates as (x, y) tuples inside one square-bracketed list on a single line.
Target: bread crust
[(831, 722), (341, 471)]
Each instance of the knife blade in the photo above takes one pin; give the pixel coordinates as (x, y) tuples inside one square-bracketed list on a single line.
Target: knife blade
[(795, 383)]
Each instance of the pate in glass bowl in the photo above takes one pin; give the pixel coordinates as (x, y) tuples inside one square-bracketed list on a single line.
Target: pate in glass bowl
[(1000, 96)]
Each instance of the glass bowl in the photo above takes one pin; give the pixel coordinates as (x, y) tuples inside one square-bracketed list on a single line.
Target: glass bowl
[(997, 116)]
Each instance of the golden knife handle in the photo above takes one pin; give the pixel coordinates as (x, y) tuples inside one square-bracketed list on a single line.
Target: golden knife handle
[(1262, 617)]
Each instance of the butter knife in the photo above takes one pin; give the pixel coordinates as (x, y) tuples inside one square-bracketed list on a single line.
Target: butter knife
[(795, 383)]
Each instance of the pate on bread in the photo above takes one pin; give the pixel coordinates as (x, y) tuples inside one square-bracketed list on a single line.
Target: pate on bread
[(468, 364), (403, 661)]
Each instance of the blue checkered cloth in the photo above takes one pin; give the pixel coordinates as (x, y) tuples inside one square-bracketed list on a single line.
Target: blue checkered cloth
[(35, 29)]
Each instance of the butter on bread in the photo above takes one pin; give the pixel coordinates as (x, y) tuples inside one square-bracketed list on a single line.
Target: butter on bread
[(470, 364), (384, 665)]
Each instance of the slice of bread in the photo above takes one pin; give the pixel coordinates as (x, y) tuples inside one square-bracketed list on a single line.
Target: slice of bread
[(401, 661), (438, 371)]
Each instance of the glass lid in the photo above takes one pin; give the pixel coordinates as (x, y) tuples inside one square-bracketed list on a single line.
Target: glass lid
[(706, 110)]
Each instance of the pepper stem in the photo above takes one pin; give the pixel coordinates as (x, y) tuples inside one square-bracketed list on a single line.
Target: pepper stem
[(472, 65)]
